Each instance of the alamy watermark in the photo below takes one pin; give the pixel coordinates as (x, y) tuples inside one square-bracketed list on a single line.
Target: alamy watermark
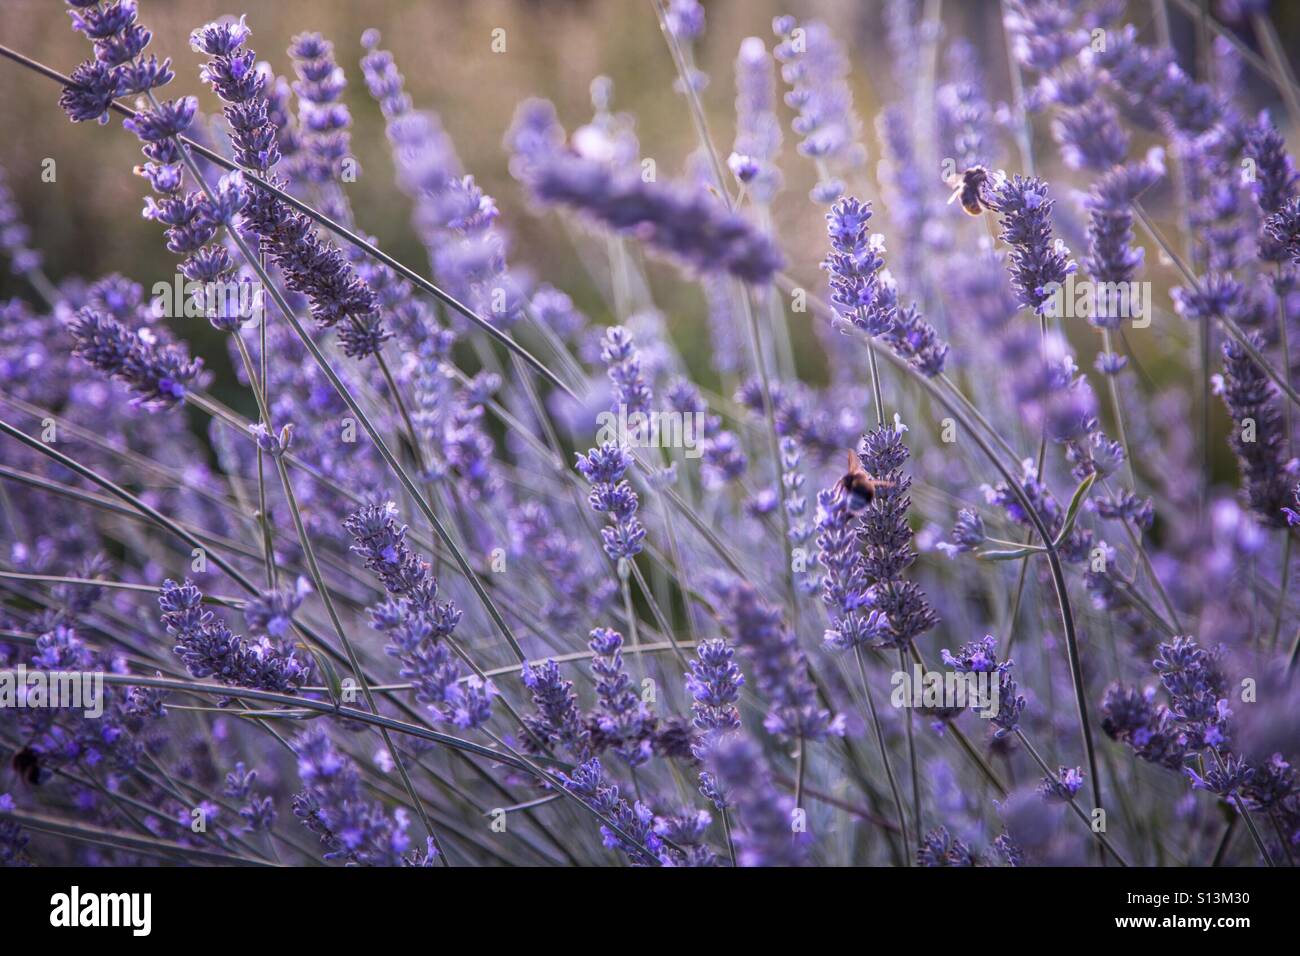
[(75, 909), (77, 690), (980, 690), (238, 300), (1085, 299), (674, 429)]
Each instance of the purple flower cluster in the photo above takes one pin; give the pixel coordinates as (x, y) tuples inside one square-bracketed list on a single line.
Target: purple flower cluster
[(611, 494), (207, 648), (758, 131), (779, 667), (854, 622), (814, 66), (15, 236), (980, 657), (416, 623), (1257, 436), (158, 372), (311, 266), (623, 719), (118, 67), (769, 837), (864, 295), (333, 805), (558, 722), (680, 219), (904, 613), (1039, 262), (636, 834)]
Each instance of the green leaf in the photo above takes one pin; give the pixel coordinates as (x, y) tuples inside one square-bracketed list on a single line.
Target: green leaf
[(1076, 503), (1008, 554)]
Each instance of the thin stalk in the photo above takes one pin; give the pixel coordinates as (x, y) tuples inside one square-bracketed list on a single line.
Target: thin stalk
[(624, 581), (1221, 851), (1282, 592), (726, 829), (774, 448), (884, 756), (153, 846), (913, 766), (800, 765)]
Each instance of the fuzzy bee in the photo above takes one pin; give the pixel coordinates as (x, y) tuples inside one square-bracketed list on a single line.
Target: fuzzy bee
[(969, 188), (27, 764), (859, 488)]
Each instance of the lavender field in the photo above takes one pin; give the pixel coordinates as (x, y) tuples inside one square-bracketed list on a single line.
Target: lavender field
[(650, 434)]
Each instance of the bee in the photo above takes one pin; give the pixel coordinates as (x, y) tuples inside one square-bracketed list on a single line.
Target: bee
[(858, 487), (968, 187), (27, 764)]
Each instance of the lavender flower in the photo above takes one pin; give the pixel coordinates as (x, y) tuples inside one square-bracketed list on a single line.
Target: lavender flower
[(780, 669), (557, 721), (1293, 514), (13, 838), (941, 848), (332, 805), (967, 534), (322, 117), (1090, 136), (979, 657), (1063, 786), (844, 586), (1039, 263), (1257, 436), (814, 65), (311, 266), (117, 68), (208, 649), (1111, 256), (416, 623), (158, 373), (641, 843), (904, 613), (865, 297), (1274, 180), (758, 131), (271, 613), (15, 237), (714, 682), (258, 812), (619, 353), (765, 835), (679, 219), (604, 468), (1197, 692), (622, 717), (1284, 228), (1132, 716)]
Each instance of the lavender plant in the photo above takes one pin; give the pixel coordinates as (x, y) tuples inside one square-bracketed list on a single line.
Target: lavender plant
[(1067, 404)]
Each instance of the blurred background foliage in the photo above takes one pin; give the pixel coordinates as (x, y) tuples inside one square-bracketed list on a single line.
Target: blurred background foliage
[(88, 221)]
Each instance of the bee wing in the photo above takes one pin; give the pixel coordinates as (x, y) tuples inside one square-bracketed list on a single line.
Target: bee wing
[(855, 466)]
